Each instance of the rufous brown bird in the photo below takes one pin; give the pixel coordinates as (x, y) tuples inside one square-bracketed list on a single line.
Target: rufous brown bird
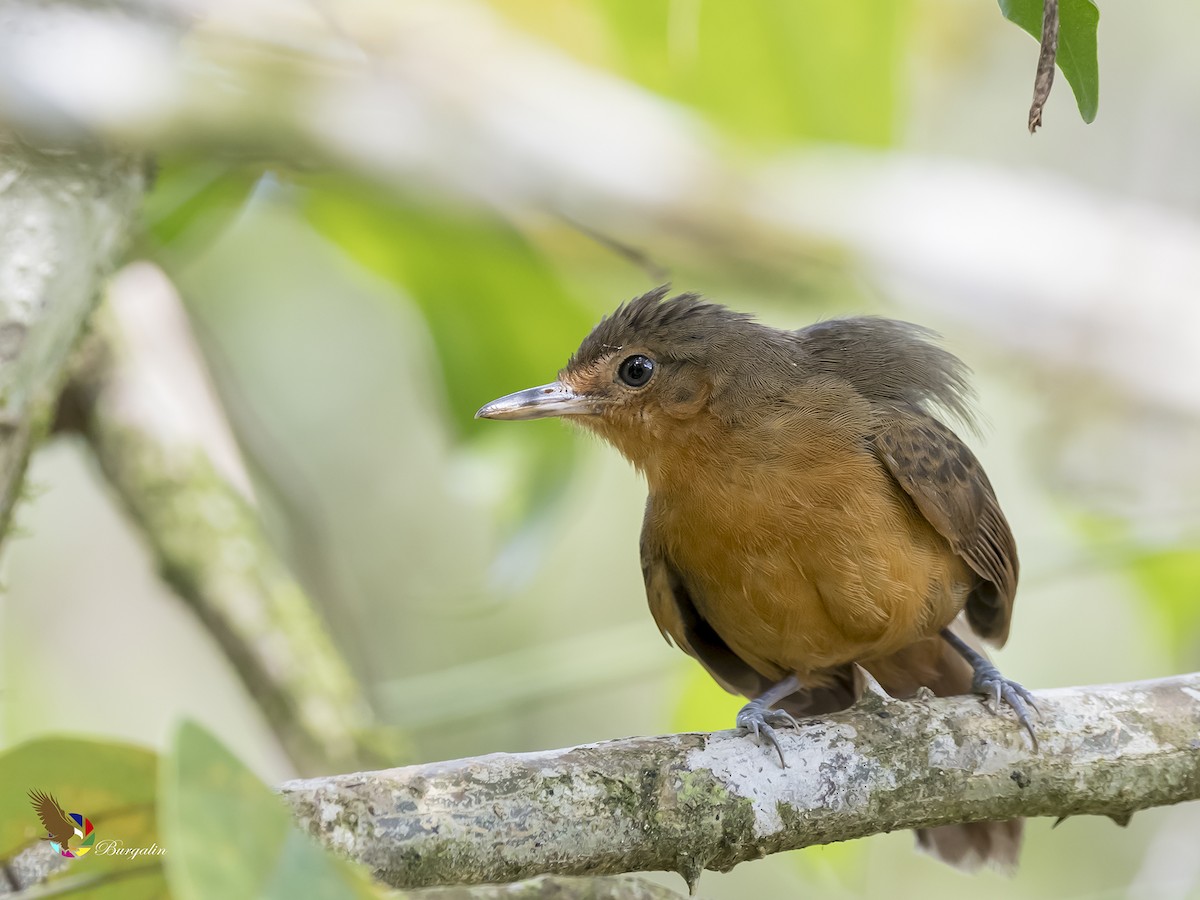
[(808, 510)]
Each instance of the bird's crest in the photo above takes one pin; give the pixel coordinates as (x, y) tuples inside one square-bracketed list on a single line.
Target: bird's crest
[(679, 323)]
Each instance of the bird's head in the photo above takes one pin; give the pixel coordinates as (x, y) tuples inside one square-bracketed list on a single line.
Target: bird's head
[(652, 372)]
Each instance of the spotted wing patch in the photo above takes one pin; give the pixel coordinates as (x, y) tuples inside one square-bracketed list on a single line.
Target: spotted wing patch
[(947, 483)]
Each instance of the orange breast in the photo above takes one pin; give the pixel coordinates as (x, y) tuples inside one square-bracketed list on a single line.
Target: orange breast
[(801, 565)]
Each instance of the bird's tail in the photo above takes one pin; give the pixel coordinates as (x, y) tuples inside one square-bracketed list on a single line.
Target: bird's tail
[(936, 665)]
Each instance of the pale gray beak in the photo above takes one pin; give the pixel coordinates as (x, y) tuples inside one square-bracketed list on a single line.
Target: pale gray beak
[(554, 399)]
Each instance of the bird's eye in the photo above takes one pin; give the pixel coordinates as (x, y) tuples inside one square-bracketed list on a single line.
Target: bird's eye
[(636, 370)]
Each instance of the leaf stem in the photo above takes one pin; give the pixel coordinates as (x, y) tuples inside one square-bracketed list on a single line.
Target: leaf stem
[(1044, 79)]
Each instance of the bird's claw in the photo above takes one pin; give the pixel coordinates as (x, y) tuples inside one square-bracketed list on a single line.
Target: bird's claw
[(758, 721), (1000, 691)]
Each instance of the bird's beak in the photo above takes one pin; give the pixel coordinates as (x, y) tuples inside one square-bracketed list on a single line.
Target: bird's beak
[(554, 399)]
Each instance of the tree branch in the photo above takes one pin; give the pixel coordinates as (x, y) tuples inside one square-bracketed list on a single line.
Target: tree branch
[(691, 802), (140, 397), (1047, 53), (550, 887), (64, 218)]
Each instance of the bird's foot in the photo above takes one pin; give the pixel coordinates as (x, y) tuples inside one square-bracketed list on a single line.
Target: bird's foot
[(992, 685), (1000, 690), (758, 720)]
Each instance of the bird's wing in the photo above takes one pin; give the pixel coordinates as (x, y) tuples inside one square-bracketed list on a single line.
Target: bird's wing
[(54, 820), (680, 622), (950, 489), (889, 363)]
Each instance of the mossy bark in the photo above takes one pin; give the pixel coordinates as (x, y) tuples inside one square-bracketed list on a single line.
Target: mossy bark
[(208, 542)]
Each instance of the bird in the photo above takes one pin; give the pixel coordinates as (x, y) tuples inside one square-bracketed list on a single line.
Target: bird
[(811, 514), (59, 828)]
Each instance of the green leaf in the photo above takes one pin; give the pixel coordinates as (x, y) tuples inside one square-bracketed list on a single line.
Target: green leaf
[(111, 784), (1078, 20), (193, 201), (229, 835)]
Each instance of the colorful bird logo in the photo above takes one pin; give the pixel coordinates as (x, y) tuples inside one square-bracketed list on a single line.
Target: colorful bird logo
[(62, 826)]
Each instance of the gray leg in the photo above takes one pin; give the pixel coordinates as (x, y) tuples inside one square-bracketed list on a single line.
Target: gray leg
[(757, 717), (989, 682)]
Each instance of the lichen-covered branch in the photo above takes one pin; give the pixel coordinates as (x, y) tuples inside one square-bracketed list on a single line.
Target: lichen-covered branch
[(551, 887), (128, 397), (691, 802), (30, 867), (64, 218)]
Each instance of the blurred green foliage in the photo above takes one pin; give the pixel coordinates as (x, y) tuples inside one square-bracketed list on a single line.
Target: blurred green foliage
[(703, 704), (193, 200), (228, 835), (490, 300), (823, 71), (772, 73), (1170, 579), (1166, 574), (500, 318)]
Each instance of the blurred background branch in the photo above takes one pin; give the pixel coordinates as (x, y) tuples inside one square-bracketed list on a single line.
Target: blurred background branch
[(65, 215), (140, 396)]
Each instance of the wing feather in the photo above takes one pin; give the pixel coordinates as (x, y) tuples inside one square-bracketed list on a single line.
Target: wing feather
[(949, 487), (680, 622)]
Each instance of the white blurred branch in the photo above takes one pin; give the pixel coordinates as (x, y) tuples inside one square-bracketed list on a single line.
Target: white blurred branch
[(64, 217), (444, 95), (691, 802)]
